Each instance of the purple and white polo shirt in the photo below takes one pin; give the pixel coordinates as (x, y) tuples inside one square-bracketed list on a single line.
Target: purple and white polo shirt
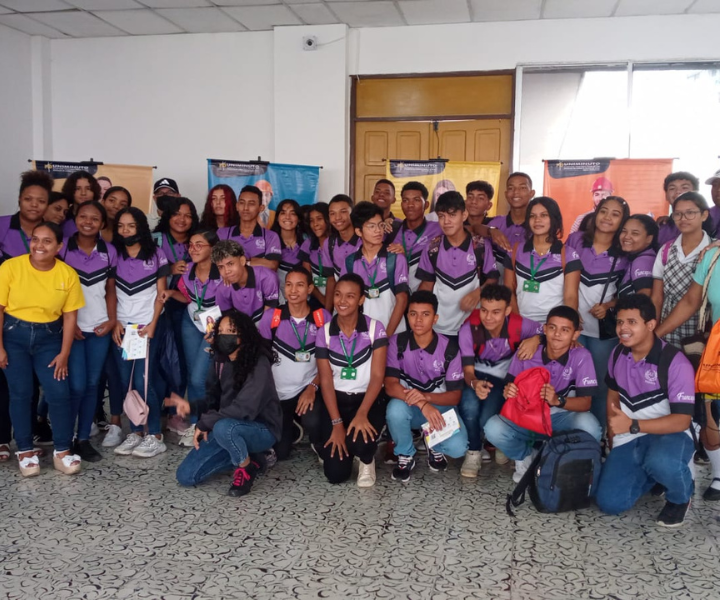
[(289, 258), (335, 251), (639, 273), (136, 283), (414, 241), (311, 253), (515, 234), (263, 243), (13, 241), (201, 295), (260, 291)]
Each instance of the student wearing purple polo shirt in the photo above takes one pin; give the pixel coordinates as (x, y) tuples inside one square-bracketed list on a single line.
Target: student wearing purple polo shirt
[(478, 201), (251, 290), (415, 232), (58, 208), (79, 187), (423, 379), (385, 274), (488, 340), (603, 266), (292, 329), (114, 200), (455, 265), (311, 255), (261, 245), (638, 239), (351, 353), (572, 383), (541, 272), (342, 239), (95, 263), (140, 278), (383, 197), (674, 185), (651, 400), (289, 227)]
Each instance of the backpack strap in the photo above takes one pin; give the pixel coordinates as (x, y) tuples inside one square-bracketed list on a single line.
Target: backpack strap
[(517, 497), (451, 351), (326, 329), (434, 250), (477, 331), (562, 258), (515, 322), (403, 339), (514, 254), (350, 262), (666, 357), (371, 332), (391, 261), (319, 318), (665, 252), (276, 318), (478, 244)]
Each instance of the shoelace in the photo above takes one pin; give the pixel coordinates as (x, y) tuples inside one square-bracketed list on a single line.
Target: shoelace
[(437, 456), (241, 476), (404, 461)]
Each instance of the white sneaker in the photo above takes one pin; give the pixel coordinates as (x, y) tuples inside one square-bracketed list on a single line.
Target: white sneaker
[(366, 474), (127, 447), (484, 455), (521, 467), (187, 440), (500, 458), (150, 446), (94, 430), (113, 437), (472, 463)]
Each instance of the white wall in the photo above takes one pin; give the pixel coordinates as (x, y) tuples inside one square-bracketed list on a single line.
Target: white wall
[(16, 113)]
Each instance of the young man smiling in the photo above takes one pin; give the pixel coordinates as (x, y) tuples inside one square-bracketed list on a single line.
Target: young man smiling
[(384, 197), (342, 240)]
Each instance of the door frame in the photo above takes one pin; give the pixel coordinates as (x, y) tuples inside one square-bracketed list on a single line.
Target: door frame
[(354, 119)]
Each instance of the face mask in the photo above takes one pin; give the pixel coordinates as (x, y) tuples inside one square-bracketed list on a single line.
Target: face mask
[(131, 240), (226, 343)]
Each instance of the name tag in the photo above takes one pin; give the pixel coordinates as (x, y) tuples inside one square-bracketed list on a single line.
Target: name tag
[(531, 286), (302, 356), (373, 292), (319, 281), (348, 373), (196, 315)]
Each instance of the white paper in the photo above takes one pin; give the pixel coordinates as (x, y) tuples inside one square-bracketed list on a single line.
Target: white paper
[(133, 346), (207, 319), (452, 426)]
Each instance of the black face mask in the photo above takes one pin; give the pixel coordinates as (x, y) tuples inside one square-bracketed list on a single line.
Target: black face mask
[(226, 343), (131, 240)]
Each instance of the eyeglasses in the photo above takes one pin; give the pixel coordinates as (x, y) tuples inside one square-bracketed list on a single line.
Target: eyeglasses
[(197, 245), (372, 227), (690, 215)]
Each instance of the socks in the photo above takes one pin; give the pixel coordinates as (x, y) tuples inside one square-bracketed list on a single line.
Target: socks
[(715, 465)]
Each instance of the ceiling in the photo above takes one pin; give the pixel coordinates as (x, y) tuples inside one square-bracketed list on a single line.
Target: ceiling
[(103, 18)]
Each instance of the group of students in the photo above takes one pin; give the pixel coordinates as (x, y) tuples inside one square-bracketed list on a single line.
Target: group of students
[(343, 319)]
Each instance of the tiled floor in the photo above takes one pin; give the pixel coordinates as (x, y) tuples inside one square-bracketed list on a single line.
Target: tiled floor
[(124, 529)]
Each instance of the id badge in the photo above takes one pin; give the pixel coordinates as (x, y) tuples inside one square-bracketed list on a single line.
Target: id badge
[(196, 315), (349, 373), (531, 286), (319, 281), (373, 292), (302, 356)]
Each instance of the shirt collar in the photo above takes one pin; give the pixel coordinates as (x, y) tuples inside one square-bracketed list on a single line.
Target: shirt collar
[(360, 327), (417, 230), (100, 245), (563, 360), (214, 272), (352, 241), (555, 247), (464, 246), (431, 347), (652, 357), (257, 232), (286, 316), (250, 283), (15, 221)]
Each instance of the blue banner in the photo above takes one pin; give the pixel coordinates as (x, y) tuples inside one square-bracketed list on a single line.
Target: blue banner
[(276, 181)]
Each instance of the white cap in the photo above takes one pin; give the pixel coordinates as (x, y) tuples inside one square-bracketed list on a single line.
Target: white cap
[(714, 178)]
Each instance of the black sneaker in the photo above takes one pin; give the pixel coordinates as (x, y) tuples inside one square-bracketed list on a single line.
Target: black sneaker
[(270, 459), (701, 457), (712, 494), (657, 490), (43, 433), (405, 465), (673, 515), (84, 449), (243, 479), (436, 460)]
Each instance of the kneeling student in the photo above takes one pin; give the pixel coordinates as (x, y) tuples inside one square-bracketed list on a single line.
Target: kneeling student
[(651, 400), (424, 379), (292, 330), (571, 372)]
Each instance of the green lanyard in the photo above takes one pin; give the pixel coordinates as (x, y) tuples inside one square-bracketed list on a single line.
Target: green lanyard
[(199, 301), (533, 268), (349, 358), (297, 335), (24, 241), (172, 247), (320, 269), (372, 277), (404, 242)]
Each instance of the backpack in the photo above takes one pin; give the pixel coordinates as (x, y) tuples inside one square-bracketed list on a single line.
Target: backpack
[(563, 476), (371, 331), (318, 317), (391, 260), (478, 331), (403, 340), (478, 244)]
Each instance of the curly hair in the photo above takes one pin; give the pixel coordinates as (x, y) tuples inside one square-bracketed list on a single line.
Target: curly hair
[(173, 207), (232, 218), (70, 184), (252, 346), (38, 178)]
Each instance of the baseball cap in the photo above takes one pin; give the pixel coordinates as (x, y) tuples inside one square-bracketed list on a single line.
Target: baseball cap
[(714, 178), (166, 182), (602, 183)]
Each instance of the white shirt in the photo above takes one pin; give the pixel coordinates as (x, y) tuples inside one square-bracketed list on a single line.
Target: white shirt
[(659, 267)]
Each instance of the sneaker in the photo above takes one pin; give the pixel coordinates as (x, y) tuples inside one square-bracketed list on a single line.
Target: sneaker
[(657, 490), (484, 455), (390, 458), (94, 430), (300, 433), (43, 433), (471, 464), (521, 467), (113, 437), (187, 439), (405, 465), (176, 424), (84, 449), (131, 442), (101, 420), (366, 474), (435, 460), (243, 479), (150, 446), (673, 515), (712, 494), (419, 441), (317, 453), (701, 457), (270, 459), (500, 458)]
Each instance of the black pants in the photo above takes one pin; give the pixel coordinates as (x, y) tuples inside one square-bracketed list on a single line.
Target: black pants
[(337, 470), (5, 425), (310, 422)]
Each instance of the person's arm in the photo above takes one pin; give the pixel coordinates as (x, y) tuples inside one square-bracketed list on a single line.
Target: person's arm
[(657, 296), (316, 293), (327, 387), (360, 423), (570, 291), (426, 286), (393, 388), (510, 281), (401, 302), (60, 362), (149, 329), (673, 423), (3, 353), (613, 402), (329, 293), (264, 262), (576, 404), (688, 305), (175, 295)]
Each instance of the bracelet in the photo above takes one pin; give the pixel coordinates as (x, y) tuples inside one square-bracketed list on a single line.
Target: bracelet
[(336, 422), (315, 385)]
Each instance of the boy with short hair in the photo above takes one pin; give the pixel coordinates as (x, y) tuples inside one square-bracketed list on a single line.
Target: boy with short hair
[(251, 290), (674, 185), (385, 274), (424, 380), (383, 196), (488, 341), (342, 239), (569, 393), (651, 401), (478, 201), (455, 265), (261, 245)]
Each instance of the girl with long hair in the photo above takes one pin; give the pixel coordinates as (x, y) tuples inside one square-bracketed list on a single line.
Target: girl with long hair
[(311, 255), (290, 229), (220, 209)]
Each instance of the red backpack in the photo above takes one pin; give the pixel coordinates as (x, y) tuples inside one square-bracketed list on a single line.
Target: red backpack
[(318, 317), (514, 325)]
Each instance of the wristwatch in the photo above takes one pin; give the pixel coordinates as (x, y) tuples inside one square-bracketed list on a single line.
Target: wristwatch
[(562, 400), (634, 426)]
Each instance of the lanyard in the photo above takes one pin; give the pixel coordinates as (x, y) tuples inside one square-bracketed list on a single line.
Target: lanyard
[(372, 277), (199, 301), (533, 268), (297, 335), (172, 247), (24, 241), (319, 256), (404, 243), (349, 358)]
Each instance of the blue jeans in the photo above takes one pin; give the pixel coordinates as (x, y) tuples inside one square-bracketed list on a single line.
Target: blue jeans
[(31, 347), (87, 359), (111, 377), (228, 445), (197, 359), (402, 419), (601, 351), (475, 412), (516, 442), (632, 469), (153, 401)]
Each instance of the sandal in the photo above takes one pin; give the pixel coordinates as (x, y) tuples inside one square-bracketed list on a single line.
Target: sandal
[(29, 466), (4, 452), (68, 464)]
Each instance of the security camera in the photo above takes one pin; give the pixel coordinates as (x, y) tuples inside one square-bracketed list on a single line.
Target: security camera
[(309, 42)]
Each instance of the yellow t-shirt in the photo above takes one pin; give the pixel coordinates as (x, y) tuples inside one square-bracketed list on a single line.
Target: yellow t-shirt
[(39, 296)]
